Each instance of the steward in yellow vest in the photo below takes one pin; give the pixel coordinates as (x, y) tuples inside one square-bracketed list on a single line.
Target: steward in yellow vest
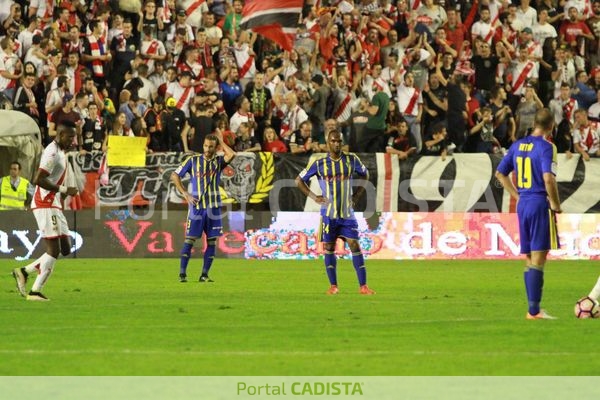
[(14, 190)]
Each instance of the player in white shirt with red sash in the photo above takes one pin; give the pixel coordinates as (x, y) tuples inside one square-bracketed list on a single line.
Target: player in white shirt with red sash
[(47, 209)]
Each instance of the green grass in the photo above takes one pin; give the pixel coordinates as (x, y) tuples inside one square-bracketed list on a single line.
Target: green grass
[(132, 317)]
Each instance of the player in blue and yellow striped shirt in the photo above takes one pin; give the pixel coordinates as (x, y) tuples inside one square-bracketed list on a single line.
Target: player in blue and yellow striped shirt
[(334, 173), (533, 160), (204, 213)]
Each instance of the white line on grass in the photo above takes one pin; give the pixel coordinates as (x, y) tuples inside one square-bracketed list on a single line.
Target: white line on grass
[(171, 327), (138, 352)]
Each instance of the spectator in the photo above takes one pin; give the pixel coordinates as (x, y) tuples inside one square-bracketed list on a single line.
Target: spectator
[(583, 92), (400, 142), (182, 92), (526, 110), (485, 64), (436, 143), (242, 114), (543, 29), (149, 19), (119, 126), (548, 70), (432, 15), (594, 110), (563, 107), (139, 129), (189, 62), (96, 54), (213, 32), (231, 88), (204, 49), (124, 49), (174, 123), (73, 44), (586, 136), (293, 116), (526, 15), (504, 122), (272, 143), (318, 102), (26, 36), (152, 50), (153, 119), (65, 113), (483, 28), (572, 29), (481, 139), (201, 124), (231, 26), (358, 124), (25, 98), (410, 104), (456, 32), (93, 130), (186, 29), (435, 103), (458, 116), (11, 68), (301, 140), (229, 136), (260, 104), (244, 141)]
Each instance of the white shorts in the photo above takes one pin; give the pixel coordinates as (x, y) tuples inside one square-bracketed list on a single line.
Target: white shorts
[(51, 222)]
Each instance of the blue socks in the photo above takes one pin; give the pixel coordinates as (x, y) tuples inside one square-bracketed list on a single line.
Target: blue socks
[(209, 256), (330, 266), (186, 252), (359, 265), (534, 283)]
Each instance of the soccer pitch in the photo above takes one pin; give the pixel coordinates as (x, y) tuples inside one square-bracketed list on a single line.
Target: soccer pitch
[(133, 317)]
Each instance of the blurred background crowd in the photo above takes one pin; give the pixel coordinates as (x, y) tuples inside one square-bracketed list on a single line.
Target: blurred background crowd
[(406, 77)]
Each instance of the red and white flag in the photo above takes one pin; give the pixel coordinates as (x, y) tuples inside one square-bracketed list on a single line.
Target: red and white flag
[(274, 19)]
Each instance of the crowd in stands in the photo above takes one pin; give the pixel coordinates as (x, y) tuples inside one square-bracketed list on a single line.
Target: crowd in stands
[(407, 77)]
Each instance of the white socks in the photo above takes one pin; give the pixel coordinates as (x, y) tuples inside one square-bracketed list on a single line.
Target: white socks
[(595, 293), (35, 266), (46, 263)]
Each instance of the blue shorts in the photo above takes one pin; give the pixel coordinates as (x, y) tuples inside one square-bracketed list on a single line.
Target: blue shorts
[(207, 221), (537, 225), (332, 228)]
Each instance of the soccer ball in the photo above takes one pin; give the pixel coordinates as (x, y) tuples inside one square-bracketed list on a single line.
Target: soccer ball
[(586, 307)]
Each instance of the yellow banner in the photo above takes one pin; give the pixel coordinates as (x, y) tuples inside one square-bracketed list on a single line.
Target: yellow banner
[(126, 151)]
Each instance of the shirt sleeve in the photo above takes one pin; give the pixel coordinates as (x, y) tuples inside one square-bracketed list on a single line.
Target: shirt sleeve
[(48, 159), (185, 167), (549, 157), (359, 167), (307, 173), (506, 165)]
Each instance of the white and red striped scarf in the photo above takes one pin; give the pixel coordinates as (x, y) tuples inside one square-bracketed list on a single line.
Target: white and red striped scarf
[(96, 51)]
